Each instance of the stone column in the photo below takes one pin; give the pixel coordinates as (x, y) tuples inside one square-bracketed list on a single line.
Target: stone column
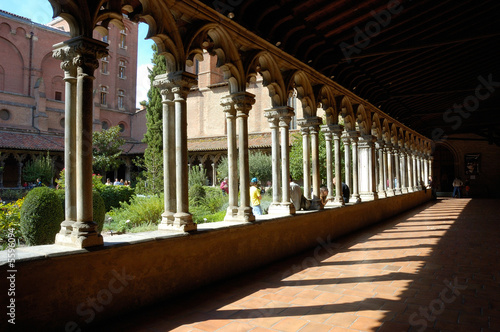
[(414, 171), (272, 118), (84, 53), (66, 55), (181, 84), (397, 189), (347, 158), (214, 174), (404, 171), (409, 163), (232, 209), (339, 199), (327, 129), (285, 116), (169, 162), (366, 153), (20, 172), (316, 181), (381, 184), (243, 102), (306, 163), (390, 169), (431, 174), (355, 169)]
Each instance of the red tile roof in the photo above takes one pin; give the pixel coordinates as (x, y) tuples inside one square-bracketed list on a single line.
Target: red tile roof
[(43, 142)]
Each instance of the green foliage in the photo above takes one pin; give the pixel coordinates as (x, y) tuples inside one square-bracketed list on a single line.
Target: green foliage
[(207, 204), (296, 157), (98, 210), (96, 180), (260, 166), (12, 194), (196, 195), (141, 210), (41, 168), (113, 195), (41, 216), (10, 216), (197, 176), (151, 179), (106, 149)]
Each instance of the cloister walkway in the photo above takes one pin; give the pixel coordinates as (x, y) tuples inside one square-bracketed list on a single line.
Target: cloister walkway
[(434, 268)]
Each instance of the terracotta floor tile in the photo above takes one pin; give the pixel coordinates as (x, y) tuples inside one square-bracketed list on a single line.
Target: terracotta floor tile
[(315, 327), (366, 324), (211, 325), (289, 324), (341, 319)]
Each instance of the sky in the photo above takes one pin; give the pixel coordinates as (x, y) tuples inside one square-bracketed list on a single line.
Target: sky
[(40, 11)]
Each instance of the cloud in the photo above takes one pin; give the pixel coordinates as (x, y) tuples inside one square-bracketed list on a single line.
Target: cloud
[(143, 83)]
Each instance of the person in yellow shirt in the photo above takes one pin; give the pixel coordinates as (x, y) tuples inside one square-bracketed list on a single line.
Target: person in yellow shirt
[(255, 197)]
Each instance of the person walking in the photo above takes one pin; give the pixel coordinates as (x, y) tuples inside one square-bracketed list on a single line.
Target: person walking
[(224, 186), (295, 194), (457, 183), (255, 197)]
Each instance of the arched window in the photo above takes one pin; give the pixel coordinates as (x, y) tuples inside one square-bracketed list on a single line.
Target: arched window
[(121, 69), (123, 36), (122, 127), (4, 114), (104, 95), (104, 65), (105, 125), (121, 98), (2, 79)]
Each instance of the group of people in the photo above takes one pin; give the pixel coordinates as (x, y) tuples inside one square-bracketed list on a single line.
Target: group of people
[(296, 196), (457, 187), (117, 182)]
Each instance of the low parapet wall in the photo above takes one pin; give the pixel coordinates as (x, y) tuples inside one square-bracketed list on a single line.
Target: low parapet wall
[(67, 289)]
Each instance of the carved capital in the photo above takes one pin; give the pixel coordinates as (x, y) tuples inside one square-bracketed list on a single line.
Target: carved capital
[(82, 52), (179, 83)]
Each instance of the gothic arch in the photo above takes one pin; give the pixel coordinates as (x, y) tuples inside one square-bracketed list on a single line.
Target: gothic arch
[(377, 127), (265, 64), (345, 109), (363, 119), (329, 104), (300, 82), (386, 131)]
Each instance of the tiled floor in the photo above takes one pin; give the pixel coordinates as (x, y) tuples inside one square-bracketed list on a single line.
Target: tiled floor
[(435, 268)]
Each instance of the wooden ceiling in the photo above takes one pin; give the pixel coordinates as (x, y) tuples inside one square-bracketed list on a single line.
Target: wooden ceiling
[(418, 61)]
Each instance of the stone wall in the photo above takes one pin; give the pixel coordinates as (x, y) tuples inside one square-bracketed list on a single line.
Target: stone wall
[(67, 289)]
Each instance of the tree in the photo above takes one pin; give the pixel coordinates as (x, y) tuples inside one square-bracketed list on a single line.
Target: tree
[(106, 149), (259, 163), (41, 168), (151, 179)]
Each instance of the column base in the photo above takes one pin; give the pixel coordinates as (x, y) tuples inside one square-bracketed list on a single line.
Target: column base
[(382, 194), (167, 220), (397, 192), (66, 227), (231, 214), (282, 209), (334, 204), (355, 199), (81, 241), (368, 196), (316, 204), (404, 190), (245, 214), (410, 189), (183, 222), (390, 192)]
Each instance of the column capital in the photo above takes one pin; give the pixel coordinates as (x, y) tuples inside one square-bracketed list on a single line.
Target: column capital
[(228, 106), (366, 141), (243, 102), (309, 121), (82, 52), (379, 144), (179, 82), (388, 147), (167, 96)]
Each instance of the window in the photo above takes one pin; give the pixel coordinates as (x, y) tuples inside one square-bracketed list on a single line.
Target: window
[(104, 65), (121, 97), (105, 125), (121, 69), (123, 36), (58, 95), (62, 122), (4, 115), (122, 127), (104, 94), (105, 38)]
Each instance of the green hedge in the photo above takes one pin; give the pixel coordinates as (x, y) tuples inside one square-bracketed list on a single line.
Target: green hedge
[(41, 216), (98, 207), (113, 195)]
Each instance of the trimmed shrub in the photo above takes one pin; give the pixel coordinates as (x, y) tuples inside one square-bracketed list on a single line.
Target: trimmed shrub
[(98, 210), (41, 216), (113, 195), (196, 194)]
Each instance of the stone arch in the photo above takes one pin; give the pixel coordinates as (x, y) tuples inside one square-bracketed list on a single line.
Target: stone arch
[(363, 119), (394, 134), (401, 137), (345, 109), (265, 64), (218, 42), (329, 103), (300, 82), (386, 131), (376, 126), (11, 60)]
